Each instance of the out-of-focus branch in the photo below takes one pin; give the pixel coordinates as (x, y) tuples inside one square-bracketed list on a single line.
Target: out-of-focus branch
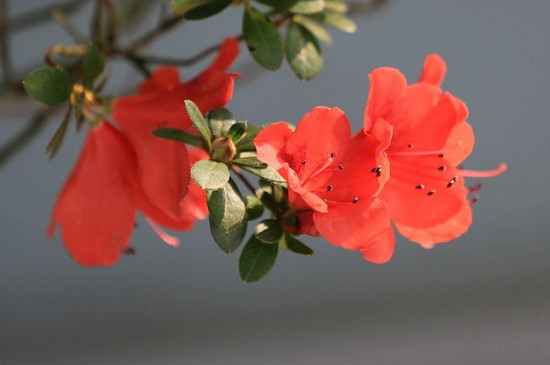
[(42, 15), (366, 8), (7, 70), (164, 26), (21, 139)]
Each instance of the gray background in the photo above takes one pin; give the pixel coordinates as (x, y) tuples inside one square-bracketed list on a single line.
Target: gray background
[(483, 299)]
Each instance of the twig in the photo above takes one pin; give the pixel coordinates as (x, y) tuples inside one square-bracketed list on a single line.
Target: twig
[(42, 15), (20, 140), (69, 27), (97, 24), (243, 179), (111, 34), (150, 36), (7, 70)]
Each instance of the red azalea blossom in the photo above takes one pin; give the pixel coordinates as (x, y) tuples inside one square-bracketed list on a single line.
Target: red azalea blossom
[(119, 172), (425, 195), (325, 169)]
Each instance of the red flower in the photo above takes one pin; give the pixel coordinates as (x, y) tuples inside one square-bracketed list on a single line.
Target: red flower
[(163, 167), (425, 195), (325, 169), (119, 172)]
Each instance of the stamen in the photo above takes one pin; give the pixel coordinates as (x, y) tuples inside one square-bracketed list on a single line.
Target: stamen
[(303, 162), (431, 192), (441, 168), (453, 180), (488, 173), (330, 188), (355, 200), (334, 154), (420, 187), (341, 167), (377, 170)]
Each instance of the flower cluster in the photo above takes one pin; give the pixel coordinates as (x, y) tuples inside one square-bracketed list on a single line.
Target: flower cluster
[(402, 169)]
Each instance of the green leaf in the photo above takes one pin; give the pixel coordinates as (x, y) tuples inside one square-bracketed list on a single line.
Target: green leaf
[(246, 143), (254, 207), (229, 241), (269, 231), (267, 173), (198, 121), (315, 28), (263, 40), (59, 135), (249, 162), (226, 207), (292, 244), (50, 86), (220, 120), (279, 5), (179, 136), (308, 6), (236, 131), (336, 5), (92, 65), (337, 21), (199, 9), (303, 52), (257, 259), (210, 175)]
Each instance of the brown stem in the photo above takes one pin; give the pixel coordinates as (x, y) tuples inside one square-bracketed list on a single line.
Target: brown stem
[(21, 139), (153, 34), (243, 179), (111, 33), (63, 20), (97, 24)]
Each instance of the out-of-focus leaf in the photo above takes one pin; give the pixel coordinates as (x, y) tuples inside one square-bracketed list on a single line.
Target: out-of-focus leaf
[(50, 86), (59, 135), (262, 39), (303, 52)]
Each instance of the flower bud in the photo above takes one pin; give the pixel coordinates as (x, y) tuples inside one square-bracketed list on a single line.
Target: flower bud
[(223, 149)]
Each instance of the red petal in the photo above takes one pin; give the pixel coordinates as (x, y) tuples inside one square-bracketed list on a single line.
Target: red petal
[(355, 226), (164, 78), (270, 144), (387, 87), (434, 70), (381, 249), (452, 228), (95, 209)]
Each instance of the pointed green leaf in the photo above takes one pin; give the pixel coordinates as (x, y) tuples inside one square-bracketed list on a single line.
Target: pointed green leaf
[(179, 136), (230, 240), (246, 143), (50, 86), (292, 244), (210, 175), (308, 6), (303, 52), (206, 11), (236, 131), (269, 231), (262, 39), (59, 135), (249, 162), (315, 28), (257, 259), (254, 207), (226, 206), (338, 6), (92, 65), (198, 121), (337, 21), (220, 120)]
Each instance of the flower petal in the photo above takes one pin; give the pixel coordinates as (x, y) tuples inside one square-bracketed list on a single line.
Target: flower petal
[(95, 209), (164, 78), (434, 70), (387, 87), (355, 226), (270, 144), (381, 248)]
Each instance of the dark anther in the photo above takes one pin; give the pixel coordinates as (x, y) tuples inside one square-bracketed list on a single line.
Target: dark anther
[(440, 155), (341, 167), (474, 200), (431, 192), (420, 187), (441, 168), (251, 48), (303, 162), (330, 188), (355, 200), (333, 154), (453, 180), (325, 200), (377, 170), (410, 145), (129, 251)]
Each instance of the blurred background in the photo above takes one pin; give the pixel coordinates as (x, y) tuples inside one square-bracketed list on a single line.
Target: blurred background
[(482, 299)]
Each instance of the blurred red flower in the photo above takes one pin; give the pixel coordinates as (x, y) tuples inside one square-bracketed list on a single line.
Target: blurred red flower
[(121, 171)]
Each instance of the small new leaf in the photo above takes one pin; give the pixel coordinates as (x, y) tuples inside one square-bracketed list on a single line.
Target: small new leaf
[(50, 86), (257, 259), (292, 244), (303, 52), (59, 135), (92, 65), (198, 121), (254, 207), (236, 131), (210, 175), (179, 136), (263, 39), (268, 231), (220, 120), (337, 21)]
